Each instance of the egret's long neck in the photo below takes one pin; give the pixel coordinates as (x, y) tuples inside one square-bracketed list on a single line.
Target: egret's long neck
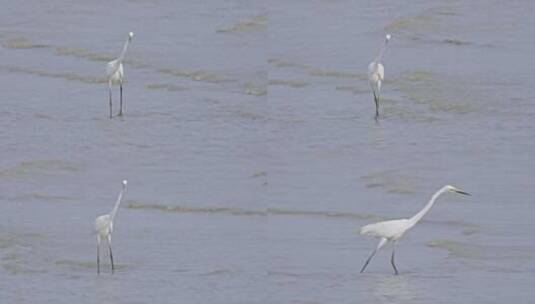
[(381, 52), (418, 216), (116, 207), (123, 52)]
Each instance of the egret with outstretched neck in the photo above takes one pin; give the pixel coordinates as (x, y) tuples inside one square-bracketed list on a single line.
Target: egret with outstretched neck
[(376, 74), (104, 228), (115, 73), (391, 231)]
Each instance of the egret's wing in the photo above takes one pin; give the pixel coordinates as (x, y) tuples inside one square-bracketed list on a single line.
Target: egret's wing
[(112, 67), (381, 71), (102, 222), (386, 229)]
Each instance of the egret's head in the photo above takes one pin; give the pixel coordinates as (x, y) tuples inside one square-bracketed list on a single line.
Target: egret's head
[(130, 36), (388, 36), (124, 183), (453, 189)]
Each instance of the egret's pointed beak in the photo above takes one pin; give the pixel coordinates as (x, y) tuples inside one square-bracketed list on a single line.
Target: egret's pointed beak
[(462, 192)]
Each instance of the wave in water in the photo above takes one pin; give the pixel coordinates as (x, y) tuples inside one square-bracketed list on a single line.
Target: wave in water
[(40, 166), (467, 228), (22, 43), (392, 181), (19, 253), (255, 90), (166, 87), (438, 93), (250, 212), (480, 251), (197, 75), (335, 73), (288, 83), (51, 74), (258, 23)]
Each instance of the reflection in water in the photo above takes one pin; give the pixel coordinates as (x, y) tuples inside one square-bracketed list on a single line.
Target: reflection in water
[(393, 289)]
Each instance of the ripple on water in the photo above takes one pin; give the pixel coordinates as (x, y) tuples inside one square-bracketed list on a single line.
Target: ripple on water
[(255, 90), (22, 43), (52, 74), (19, 253), (250, 212), (479, 251), (40, 166), (197, 75), (217, 272), (84, 53), (281, 63), (166, 87), (438, 93), (428, 21), (257, 23), (96, 56), (335, 74), (288, 83), (41, 197), (81, 265), (392, 181)]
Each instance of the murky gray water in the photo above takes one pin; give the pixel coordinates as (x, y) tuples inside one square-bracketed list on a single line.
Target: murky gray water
[(253, 157)]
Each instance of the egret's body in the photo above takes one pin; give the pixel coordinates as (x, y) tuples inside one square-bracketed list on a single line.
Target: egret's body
[(104, 228), (376, 75), (115, 74), (393, 230)]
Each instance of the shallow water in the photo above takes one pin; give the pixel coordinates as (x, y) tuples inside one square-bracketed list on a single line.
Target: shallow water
[(253, 157)]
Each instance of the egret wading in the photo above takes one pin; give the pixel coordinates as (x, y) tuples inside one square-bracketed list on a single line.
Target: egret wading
[(104, 228), (115, 73), (391, 231), (376, 74)]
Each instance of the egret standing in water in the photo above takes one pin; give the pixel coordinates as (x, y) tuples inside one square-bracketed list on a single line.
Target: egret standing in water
[(391, 231), (115, 73), (104, 228), (376, 75)]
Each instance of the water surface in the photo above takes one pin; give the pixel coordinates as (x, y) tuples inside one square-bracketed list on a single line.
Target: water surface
[(253, 157)]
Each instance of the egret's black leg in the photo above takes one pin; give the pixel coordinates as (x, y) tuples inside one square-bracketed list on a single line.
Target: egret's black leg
[(110, 103), (111, 259), (368, 261), (376, 99), (381, 244), (121, 93), (98, 259), (392, 260)]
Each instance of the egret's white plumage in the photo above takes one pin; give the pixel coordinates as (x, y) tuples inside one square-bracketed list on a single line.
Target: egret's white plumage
[(115, 73), (104, 228), (391, 231), (376, 74)]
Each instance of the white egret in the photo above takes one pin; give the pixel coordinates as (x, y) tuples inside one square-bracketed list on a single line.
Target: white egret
[(391, 231), (376, 74), (104, 228), (115, 73)]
